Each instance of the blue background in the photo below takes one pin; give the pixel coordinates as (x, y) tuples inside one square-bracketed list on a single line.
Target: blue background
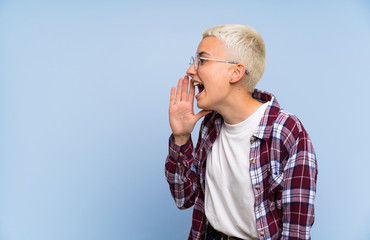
[(84, 93)]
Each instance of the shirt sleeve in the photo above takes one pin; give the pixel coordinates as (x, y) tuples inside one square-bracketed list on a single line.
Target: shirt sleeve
[(299, 188), (181, 173)]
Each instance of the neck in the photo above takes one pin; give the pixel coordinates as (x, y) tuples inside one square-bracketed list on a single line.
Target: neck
[(239, 106)]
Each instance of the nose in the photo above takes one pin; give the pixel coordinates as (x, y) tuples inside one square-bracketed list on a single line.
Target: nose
[(191, 70)]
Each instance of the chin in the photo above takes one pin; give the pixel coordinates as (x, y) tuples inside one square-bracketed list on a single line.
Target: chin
[(203, 107)]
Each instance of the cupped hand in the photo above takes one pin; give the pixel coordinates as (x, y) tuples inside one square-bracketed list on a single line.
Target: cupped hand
[(181, 113)]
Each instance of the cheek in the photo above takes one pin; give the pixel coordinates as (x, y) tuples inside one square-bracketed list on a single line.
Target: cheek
[(220, 83), (216, 91), (214, 80)]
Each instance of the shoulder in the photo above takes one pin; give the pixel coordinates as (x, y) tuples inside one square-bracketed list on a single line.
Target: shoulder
[(286, 121), (288, 128)]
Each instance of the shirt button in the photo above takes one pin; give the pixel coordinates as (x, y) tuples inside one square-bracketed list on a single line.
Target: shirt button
[(259, 207), (253, 160), (262, 234), (258, 187), (181, 155)]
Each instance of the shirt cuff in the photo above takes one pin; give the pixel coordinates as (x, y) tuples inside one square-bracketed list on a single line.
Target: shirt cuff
[(180, 153)]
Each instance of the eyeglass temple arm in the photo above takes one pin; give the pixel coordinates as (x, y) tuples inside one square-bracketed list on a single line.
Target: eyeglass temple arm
[(246, 71)]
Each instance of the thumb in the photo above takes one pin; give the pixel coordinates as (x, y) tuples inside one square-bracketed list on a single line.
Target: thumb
[(201, 114)]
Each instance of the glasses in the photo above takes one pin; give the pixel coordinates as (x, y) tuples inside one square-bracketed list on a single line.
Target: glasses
[(201, 60)]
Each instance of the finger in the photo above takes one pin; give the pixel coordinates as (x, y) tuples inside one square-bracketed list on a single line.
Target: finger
[(191, 92), (178, 92), (172, 96), (185, 86), (201, 114)]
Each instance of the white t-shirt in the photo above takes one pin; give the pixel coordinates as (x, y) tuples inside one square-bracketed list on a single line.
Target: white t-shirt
[(229, 197)]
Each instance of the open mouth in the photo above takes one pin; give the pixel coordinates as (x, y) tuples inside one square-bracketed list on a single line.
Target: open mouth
[(200, 88)]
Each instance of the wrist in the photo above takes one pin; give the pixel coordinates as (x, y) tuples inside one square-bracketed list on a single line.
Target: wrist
[(181, 139)]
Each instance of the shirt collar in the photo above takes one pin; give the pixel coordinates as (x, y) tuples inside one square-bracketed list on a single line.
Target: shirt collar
[(264, 129)]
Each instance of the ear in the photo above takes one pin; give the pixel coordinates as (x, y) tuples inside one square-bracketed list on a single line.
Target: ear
[(238, 72)]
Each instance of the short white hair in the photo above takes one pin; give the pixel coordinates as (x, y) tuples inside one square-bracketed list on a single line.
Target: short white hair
[(247, 47)]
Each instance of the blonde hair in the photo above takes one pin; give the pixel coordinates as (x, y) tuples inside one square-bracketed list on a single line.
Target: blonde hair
[(247, 47)]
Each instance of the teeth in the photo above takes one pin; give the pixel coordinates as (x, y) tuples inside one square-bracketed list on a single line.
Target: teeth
[(197, 84)]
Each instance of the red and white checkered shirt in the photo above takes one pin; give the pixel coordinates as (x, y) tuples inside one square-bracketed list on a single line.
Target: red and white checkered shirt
[(283, 170)]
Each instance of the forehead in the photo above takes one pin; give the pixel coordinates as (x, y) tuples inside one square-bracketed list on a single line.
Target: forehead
[(211, 46)]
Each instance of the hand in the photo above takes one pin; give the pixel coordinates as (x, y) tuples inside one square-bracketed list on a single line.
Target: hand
[(182, 117)]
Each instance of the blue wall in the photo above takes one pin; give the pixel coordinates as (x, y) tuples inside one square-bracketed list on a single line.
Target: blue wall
[(84, 93)]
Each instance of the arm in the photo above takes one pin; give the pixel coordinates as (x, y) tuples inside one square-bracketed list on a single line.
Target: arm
[(299, 189), (180, 168), (181, 173)]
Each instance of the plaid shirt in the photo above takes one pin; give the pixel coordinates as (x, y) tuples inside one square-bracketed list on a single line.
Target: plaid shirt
[(283, 171)]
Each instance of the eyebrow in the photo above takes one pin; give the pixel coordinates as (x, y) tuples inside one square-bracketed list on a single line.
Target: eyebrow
[(202, 53)]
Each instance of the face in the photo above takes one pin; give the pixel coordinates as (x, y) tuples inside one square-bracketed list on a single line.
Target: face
[(212, 78)]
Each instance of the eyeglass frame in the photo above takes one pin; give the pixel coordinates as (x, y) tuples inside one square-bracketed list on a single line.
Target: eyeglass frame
[(196, 63)]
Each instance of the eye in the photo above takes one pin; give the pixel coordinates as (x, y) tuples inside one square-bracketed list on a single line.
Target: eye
[(201, 60)]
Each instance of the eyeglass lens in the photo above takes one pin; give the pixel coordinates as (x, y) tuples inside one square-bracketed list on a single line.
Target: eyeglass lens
[(194, 61)]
